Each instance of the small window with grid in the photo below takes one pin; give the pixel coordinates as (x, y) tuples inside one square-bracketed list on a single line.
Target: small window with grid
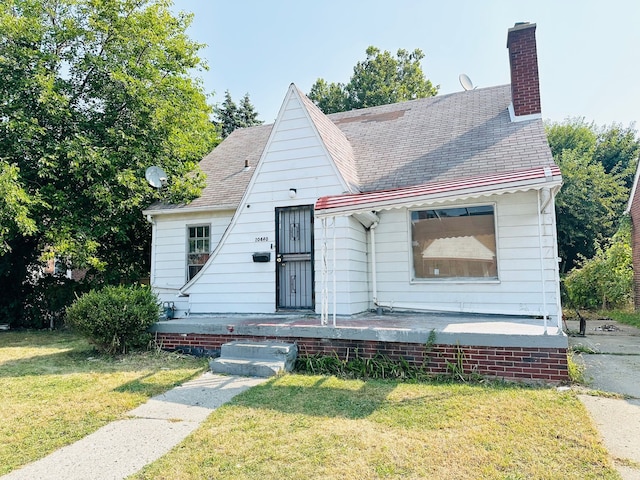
[(199, 244)]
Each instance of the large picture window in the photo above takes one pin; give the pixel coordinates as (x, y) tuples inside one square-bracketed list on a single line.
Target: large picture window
[(455, 242), (199, 244)]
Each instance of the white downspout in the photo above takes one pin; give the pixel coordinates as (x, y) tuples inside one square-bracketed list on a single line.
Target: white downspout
[(324, 299), (334, 272), (152, 273), (545, 314), (374, 277), (557, 269)]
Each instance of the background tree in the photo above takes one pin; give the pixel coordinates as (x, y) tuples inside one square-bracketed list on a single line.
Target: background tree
[(617, 149), (247, 113), (380, 79), (588, 206), (606, 279), (230, 116), (329, 97), (14, 206), (598, 165), (92, 92)]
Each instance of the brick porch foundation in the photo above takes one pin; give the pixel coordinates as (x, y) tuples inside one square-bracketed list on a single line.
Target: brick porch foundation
[(523, 364)]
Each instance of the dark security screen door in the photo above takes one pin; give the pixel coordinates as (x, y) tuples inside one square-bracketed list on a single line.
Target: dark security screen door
[(294, 257)]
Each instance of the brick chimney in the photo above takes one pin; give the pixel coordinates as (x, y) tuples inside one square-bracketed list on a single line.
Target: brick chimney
[(523, 60)]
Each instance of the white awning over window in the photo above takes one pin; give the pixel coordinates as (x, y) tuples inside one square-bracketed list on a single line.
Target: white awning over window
[(438, 192)]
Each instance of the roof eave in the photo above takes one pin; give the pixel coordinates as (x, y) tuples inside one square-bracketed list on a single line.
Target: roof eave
[(188, 209), (554, 183)]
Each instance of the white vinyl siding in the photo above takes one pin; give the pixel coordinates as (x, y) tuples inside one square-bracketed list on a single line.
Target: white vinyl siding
[(519, 289), (351, 266), (169, 249), (294, 158)]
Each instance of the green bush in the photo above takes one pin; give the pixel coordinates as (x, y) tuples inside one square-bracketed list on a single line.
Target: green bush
[(606, 280), (115, 319)]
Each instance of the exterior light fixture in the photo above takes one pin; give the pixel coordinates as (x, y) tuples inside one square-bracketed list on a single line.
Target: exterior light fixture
[(293, 192)]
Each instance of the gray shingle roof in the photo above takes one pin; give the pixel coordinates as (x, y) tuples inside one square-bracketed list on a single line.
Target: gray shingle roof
[(337, 143), (442, 138), (445, 137)]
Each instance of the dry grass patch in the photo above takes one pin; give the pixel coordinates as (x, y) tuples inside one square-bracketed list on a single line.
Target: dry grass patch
[(322, 427), (54, 390)]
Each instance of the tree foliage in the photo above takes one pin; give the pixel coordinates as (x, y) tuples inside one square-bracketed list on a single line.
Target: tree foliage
[(230, 116), (15, 216), (91, 93), (598, 165), (606, 279), (588, 207), (380, 79)]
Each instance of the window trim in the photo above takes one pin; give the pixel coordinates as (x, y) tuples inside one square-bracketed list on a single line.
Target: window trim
[(187, 251), (450, 280)]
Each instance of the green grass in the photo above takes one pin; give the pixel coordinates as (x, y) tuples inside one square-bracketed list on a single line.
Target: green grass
[(627, 315), (319, 427), (55, 389), (624, 316)]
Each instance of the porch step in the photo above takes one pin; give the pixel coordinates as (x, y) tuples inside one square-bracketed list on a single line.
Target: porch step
[(255, 359)]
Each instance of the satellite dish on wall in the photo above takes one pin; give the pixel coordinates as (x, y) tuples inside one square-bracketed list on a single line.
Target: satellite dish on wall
[(465, 81), (156, 176)]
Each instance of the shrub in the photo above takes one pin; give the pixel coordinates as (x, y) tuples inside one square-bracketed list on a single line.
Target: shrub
[(606, 280), (115, 319)]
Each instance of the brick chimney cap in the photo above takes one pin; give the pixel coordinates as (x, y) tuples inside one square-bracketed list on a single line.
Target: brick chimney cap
[(518, 26)]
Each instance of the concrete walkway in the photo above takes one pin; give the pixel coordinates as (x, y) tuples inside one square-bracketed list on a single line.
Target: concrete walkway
[(123, 447), (614, 367)]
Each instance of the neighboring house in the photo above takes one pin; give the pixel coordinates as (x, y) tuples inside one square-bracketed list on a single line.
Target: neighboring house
[(444, 204), (56, 266), (633, 210)]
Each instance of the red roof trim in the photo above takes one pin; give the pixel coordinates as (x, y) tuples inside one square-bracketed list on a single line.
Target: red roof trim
[(434, 188)]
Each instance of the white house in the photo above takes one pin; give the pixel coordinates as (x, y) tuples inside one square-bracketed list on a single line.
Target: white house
[(439, 204), (440, 207)]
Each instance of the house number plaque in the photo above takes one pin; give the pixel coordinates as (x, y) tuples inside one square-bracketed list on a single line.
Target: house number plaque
[(262, 239)]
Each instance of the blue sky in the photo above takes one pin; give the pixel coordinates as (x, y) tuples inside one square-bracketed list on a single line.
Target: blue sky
[(588, 51)]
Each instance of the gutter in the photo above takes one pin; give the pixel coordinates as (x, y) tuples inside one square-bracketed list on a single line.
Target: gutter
[(177, 210)]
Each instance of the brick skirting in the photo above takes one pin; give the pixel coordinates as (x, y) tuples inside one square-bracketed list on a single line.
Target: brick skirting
[(525, 364)]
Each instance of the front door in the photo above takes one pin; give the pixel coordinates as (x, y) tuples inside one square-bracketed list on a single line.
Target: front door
[(294, 257)]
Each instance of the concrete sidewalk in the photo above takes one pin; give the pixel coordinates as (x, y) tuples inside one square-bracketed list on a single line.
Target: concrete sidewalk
[(613, 368), (123, 447)]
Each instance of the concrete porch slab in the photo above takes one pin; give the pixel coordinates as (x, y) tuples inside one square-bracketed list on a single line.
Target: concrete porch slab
[(450, 329)]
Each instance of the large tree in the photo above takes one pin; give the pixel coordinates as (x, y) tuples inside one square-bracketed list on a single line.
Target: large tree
[(92, 92), (597, 165), (15, 216), (380, 79)]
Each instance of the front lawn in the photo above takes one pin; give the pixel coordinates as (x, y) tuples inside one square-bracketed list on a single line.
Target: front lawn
[(55, 389), (317, 427)]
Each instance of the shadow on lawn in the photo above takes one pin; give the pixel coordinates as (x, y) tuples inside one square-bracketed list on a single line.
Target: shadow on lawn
[(59, 363), (318, 399), (83, 359), (328, 397)]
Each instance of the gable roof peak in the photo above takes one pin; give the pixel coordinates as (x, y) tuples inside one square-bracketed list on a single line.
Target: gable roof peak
[(334, 139)]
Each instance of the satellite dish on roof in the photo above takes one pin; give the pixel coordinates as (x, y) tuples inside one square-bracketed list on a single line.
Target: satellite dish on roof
[(156, 176), (465, 81)]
